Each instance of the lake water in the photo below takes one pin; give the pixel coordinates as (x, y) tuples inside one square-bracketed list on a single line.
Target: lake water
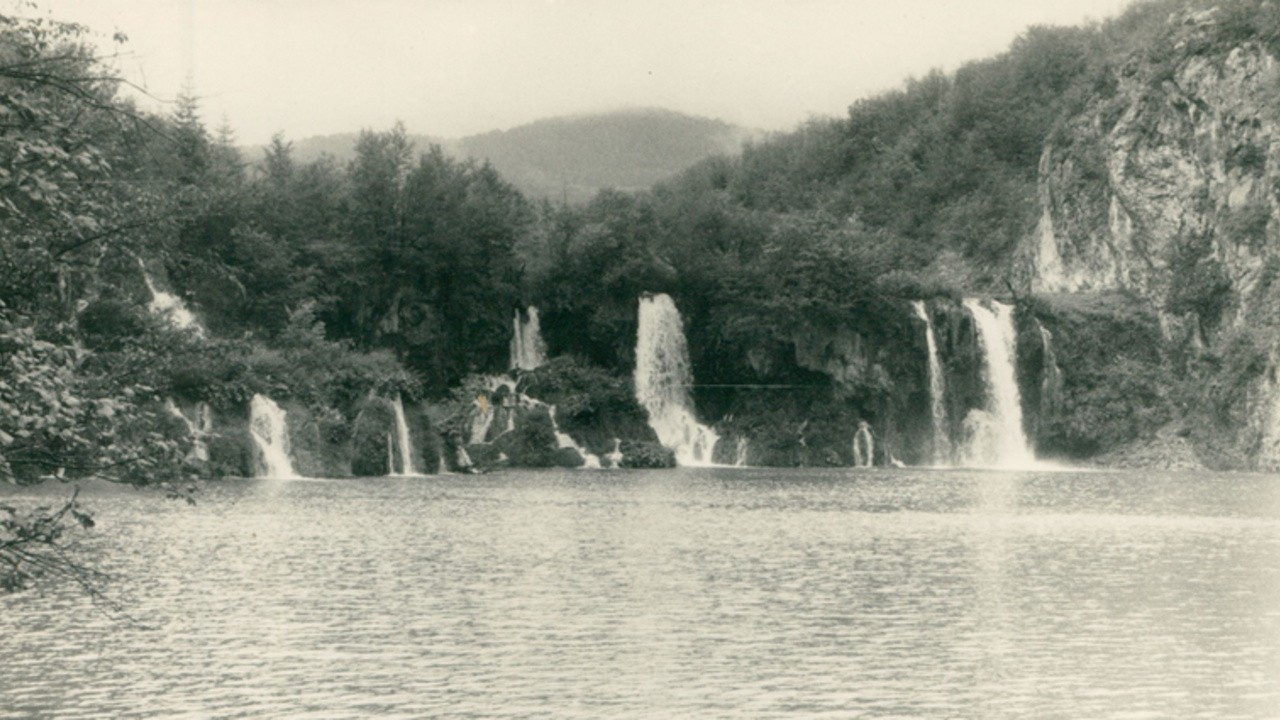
[(690, 593)]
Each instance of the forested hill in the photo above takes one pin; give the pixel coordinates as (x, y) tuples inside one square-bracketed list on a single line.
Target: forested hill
[(579, 155), (571, 157)]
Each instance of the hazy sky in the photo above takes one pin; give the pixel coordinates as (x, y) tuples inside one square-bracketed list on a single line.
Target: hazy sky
[(456, 67)]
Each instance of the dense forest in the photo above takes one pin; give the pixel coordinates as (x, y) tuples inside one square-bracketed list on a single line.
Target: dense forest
[(328, 285)]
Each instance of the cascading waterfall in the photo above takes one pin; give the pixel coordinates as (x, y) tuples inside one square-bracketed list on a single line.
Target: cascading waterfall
[(742, 447), (996, 435), (403, 442), (199, 429), (528, 351), (937, 390), (563, 440), (270, 430), (482, 419), (170, 306), (663, 377)]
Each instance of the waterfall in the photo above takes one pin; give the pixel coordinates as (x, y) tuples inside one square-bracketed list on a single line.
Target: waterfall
[(996, 435), (663, 377), (528, 351), (403, 442), (740, 452), (864, 446), (614, 458), (937, 390), (170, 307), (270, 430), (563, 440), (1050, 375), (199, 429), (391, 455), (483, 418)]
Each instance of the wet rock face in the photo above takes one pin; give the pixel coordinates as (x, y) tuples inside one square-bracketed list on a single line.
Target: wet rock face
[(1184, 157)]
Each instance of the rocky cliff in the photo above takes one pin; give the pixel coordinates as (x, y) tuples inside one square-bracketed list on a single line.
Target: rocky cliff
[(1166, 186)]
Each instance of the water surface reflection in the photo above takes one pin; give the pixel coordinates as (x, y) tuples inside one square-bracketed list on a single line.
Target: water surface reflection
[(690, 593)]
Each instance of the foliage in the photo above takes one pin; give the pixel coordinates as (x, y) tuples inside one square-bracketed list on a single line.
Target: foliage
[(638, 454), (533, 443)]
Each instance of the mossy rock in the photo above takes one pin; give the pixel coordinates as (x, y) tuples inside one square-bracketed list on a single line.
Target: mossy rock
[(375, 421), (231, 452), (569, 458), (639, 454), (486, 456), (533, 442)]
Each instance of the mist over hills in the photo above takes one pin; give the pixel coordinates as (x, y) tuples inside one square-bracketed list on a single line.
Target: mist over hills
[(572, 157)]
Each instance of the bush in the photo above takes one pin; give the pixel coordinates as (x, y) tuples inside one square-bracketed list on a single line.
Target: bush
[(639, 454)]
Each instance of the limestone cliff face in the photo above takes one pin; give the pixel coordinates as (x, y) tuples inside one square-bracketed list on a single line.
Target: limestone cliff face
[(1183, 158), (1169, 188)]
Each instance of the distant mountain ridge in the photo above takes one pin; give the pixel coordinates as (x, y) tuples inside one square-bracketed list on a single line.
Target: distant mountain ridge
[(572, 157)]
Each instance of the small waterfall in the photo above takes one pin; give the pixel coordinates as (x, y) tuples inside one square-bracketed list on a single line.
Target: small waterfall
[(663, 377), (170, 306), (937, 390), (614, 458), (199, 429), (482, 419), (740, 452), (403, 442), (1050, 375), (528, 351), (864, 446), (270, 430), (391, 456), (563, 440), (996, 435)]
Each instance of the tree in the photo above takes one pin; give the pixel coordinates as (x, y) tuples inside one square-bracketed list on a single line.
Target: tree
[(68, 220)]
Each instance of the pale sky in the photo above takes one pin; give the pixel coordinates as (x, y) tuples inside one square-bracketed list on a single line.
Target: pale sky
[(451, 68)]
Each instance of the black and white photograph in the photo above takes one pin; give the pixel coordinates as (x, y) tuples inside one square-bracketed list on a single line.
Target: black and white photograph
[(577, 359)]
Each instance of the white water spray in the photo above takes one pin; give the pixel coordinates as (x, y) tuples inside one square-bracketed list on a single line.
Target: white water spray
[(403, 442), (663, 377), (937, 390), (528, 351), (996, 435), (741, 448), (270, 430)]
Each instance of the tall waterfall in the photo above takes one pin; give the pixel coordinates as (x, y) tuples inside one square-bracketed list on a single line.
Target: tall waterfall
[(403, 442), (528, 351), (996, 435), (270, 430), (937, 390), (663, 376)]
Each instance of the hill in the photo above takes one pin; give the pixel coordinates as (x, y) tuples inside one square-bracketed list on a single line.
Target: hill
[(572, 157)]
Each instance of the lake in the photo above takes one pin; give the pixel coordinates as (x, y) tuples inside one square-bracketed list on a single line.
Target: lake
[(687, 593)]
